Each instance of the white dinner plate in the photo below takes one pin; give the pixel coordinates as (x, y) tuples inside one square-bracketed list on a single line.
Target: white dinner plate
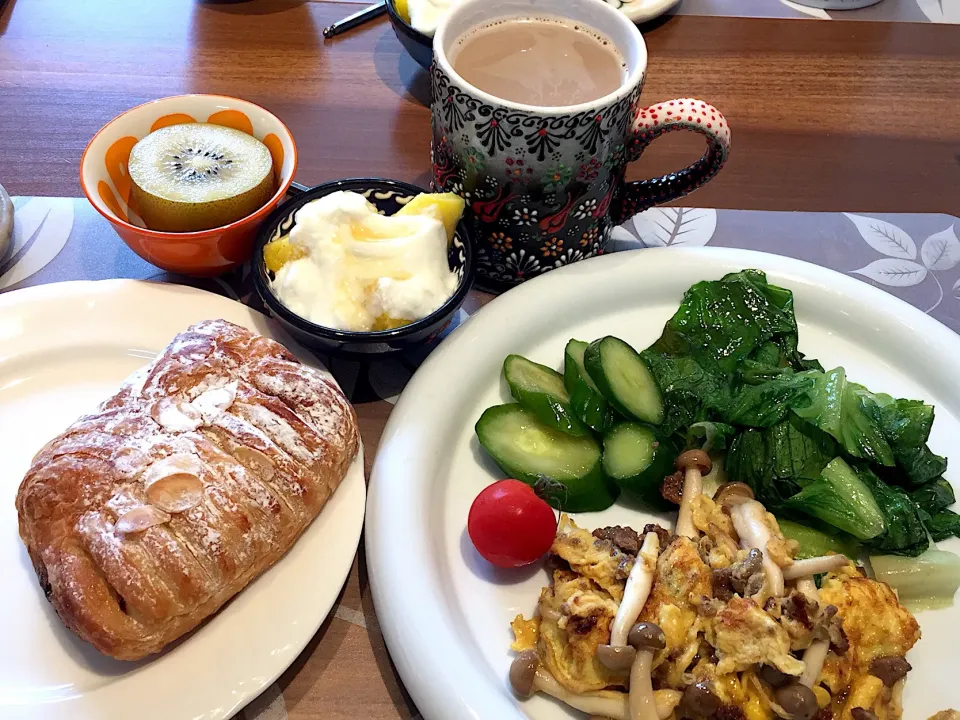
[(444, 611), (64, 348)]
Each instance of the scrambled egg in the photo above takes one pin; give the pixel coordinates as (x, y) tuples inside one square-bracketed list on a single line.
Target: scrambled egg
[(876, 625), (744, 691), (744, 635), (680, 581), (591, 557), (578, 609), (722, 643)]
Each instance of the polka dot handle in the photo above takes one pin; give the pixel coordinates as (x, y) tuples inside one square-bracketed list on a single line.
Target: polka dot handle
[(650, 123)]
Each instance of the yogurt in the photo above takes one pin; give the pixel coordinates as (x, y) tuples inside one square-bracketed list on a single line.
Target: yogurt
[(425, 15), (361, 270)]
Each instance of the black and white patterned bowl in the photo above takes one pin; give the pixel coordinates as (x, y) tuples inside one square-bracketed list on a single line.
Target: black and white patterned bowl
[(388, 196), (419, 45)]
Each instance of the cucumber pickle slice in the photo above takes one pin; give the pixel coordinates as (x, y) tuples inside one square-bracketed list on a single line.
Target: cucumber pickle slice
[(624, 379), (587, 401), (637, 458), (568, 470)]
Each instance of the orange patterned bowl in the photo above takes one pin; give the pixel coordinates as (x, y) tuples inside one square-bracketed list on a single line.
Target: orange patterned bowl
[(104, 178)]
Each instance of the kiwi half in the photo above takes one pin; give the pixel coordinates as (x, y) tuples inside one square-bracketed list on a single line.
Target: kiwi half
[(199, 176)]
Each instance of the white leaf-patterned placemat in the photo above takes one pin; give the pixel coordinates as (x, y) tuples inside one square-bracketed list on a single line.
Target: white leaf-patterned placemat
[(914, 256), (935, 11)]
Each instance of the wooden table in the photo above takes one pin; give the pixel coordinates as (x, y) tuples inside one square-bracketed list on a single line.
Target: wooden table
[(826, 116)]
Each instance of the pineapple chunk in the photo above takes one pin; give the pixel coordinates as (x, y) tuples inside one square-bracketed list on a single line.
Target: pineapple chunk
[(385, 322), (279, 252), (446, 207), (402, 10)]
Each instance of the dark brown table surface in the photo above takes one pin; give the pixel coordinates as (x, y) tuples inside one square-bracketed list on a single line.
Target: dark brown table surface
[(856, 116)]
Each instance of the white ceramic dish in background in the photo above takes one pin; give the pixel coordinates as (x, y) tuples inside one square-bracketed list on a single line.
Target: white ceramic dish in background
[(450, 638), (640, 11), (837, 4), (64, 348)]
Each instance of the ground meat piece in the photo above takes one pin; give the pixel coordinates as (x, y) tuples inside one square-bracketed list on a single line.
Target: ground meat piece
[(623, 538), (730, 712), (827, 626), (890, 669), (863, 714), (723, 584), (672, 488), (754, 584), (582, 625), (709, 607), (665, 536), (825, 713), (799, 608), (743, 571)]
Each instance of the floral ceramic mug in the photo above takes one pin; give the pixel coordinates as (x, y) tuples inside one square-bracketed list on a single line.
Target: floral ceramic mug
[(546, 184)]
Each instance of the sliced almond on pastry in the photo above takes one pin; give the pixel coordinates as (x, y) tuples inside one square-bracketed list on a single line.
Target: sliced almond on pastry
[(140, 518), (175, 415), (257, 461), (173, 484)]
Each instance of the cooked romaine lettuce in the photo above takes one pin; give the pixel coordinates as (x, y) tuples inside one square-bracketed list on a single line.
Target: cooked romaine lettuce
[(814, 543), (718, 327), (845, 410), (934, 496), (732, 376), (722, 323), (943, 525), (840, 498), (905, 533), (768, 403), (922, 583), (906, 425), (778, 462)]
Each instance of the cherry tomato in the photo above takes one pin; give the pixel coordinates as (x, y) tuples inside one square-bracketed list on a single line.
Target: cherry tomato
[(509, 525)]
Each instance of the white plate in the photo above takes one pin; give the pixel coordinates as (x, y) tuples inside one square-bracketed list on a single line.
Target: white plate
[(640, 11), (450, 638), (64, 348)]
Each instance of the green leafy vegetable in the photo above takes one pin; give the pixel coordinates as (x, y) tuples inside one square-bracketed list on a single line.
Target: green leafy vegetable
[(722, 323), (942, 525), (767, 404), (934, 496), (779, 461), (719, 326), (840, 498), (906, 424), (814, 543), (923, 583), (690, 392), (905, 533), (846, 411)]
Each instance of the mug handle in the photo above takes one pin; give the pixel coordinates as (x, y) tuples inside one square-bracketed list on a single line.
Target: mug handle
[(652, 122)]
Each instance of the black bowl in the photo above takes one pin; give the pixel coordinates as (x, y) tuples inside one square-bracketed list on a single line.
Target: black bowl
[(389, 196), (419, 46)]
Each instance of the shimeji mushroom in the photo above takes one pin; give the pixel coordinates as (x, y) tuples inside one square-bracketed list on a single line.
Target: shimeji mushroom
[(694, 464), (749, 520), (528, 677), (814, 566), (644, 640), (637, 590), (815, 655)]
